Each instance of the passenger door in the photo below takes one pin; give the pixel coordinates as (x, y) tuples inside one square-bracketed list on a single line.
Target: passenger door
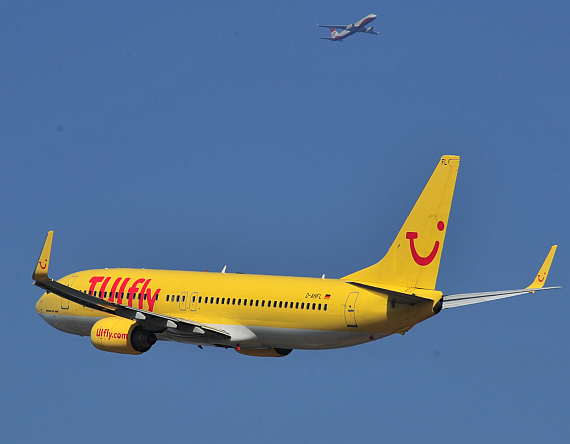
[(350, 309)]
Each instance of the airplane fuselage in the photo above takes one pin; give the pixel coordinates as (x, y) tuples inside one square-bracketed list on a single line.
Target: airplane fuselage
[(127, 310), (257, 311), (355, 27)]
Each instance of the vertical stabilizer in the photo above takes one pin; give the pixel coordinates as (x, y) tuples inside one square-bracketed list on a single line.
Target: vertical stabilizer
[(413, 259)]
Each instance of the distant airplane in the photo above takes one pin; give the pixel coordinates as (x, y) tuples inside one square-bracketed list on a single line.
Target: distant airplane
[(126, 310), (348, 30)]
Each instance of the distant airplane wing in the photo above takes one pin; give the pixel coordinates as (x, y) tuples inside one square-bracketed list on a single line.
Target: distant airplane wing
[(332, 26), (457, 300), (148, 320)]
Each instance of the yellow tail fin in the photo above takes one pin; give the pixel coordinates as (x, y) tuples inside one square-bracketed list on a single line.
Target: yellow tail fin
[(413, 259)]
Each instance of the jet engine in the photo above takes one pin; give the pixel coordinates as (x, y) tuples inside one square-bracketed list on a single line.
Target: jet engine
[(370, 30), (120, 335), (264, 352)]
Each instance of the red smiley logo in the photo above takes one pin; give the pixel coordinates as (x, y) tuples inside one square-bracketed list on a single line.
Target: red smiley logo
[(543, 277), (43, 267), (420, 260)]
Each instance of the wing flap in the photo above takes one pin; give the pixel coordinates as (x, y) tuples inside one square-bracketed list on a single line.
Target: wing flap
[(148, 320)]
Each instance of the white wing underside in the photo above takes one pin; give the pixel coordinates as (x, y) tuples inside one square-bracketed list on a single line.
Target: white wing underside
[(457, 300), (335, 27)]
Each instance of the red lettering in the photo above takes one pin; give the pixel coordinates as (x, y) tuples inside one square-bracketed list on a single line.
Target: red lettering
[(143, 291), (132, 291), (152, 299), (122, 290), (104, 286), (114, 289), (94, 281), (134, 288)]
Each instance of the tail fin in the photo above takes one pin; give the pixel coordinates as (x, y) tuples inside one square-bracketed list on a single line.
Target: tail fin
[(333, 33), (413, 259)]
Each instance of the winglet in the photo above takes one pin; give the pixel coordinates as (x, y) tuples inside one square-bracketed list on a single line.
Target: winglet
[(540, 278), (41, 271)]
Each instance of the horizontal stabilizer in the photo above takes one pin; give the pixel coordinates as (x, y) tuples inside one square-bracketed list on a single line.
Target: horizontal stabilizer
[(398, 297)]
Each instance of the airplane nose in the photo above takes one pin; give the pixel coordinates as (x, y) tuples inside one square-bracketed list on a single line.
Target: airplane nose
[(39, 305)]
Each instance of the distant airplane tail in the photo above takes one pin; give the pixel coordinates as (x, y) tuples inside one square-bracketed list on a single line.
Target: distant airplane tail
[(334, 34), (413, 259)]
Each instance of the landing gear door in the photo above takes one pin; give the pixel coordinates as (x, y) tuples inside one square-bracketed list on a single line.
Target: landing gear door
[(350, 309)]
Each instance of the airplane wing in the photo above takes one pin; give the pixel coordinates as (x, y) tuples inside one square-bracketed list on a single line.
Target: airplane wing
[(332, 26), (457, 300), (155, 322), (369, 31)]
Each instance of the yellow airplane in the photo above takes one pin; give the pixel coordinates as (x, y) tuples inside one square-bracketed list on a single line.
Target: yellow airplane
[(127, 310)]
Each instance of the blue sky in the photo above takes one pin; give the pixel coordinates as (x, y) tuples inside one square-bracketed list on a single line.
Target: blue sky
[(191, 136)]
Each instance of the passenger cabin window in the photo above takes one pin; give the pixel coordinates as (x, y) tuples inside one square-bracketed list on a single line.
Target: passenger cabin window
[(178, 298), (167, 297), (325, 307), (257, 302)]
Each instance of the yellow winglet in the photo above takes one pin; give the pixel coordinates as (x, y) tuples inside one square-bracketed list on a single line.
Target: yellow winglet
[(41, 271), (540, 278)]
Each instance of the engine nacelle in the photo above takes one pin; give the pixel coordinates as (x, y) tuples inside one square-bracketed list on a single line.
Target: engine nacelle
[(370, 30), (264, 352), (120, 335)]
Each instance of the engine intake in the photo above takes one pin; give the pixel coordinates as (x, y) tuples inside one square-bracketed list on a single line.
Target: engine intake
[(119, 335)]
